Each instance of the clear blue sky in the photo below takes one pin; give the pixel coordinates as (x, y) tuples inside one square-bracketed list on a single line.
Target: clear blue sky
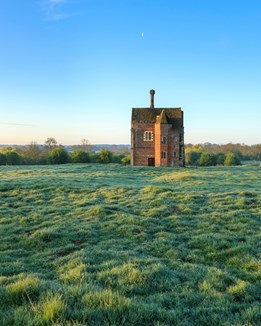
[(73, 69)]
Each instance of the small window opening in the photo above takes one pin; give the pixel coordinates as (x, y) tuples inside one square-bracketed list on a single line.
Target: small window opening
[(163, 155), (163, 140)]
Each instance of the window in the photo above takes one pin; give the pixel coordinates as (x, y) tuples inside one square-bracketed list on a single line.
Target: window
[(148, 136), (163, 155), (176, 139), (180, 138), (175, 154), (163, 140)]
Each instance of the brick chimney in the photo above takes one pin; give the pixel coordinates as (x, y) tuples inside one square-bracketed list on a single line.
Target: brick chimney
[(152, 92)]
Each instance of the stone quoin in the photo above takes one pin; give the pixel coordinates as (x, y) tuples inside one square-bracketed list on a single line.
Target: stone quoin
[(157, 136)]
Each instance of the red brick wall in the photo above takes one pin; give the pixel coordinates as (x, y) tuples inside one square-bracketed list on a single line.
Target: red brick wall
[(143, 150)]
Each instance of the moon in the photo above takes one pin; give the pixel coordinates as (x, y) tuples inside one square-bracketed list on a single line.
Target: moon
[(142, 34)]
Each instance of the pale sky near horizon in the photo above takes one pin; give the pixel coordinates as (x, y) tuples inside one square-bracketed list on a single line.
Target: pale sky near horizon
[(73, 69)]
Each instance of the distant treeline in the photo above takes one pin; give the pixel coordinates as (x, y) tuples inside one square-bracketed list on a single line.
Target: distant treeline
[(246, 152), (230, 154), (52, 153)]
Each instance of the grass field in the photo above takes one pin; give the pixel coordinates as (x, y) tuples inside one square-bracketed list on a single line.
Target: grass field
[(112, 245)]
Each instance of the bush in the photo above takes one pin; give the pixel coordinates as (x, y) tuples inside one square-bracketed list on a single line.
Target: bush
[(116, 158), (104, 156), (80, 156), (207, 159), (93, 157), (232, 159), (58, 156), (12, 158), (126, 160), (220, 158), (193, 157), (2, 159)]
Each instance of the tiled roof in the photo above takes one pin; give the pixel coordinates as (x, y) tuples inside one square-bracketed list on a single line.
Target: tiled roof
[(172, 116)]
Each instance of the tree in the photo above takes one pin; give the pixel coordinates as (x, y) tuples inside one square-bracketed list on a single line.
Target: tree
[(33, 153), (207, 159), (80, 156), (7, 149), (220, 158), (192, 157), (85, 145), (2, 159), (232, 159), (116, 158), (13, 158), (104, 156), (193, 153), (50, 143), (58, 155), (126, 160)]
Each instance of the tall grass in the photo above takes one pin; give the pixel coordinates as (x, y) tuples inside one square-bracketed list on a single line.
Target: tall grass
[(119, 245)]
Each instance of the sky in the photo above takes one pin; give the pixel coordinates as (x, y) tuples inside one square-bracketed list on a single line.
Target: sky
[(73, 69)]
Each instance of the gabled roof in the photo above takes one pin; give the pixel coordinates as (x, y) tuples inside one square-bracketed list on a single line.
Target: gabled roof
[(172, 116)]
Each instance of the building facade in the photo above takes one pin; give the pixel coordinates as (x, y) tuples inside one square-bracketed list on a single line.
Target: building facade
[(157, 136)]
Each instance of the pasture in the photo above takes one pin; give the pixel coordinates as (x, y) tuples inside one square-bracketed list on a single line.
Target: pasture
[(93, 244)]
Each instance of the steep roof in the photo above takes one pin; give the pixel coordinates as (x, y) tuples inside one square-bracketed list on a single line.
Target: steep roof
[(172, 116)]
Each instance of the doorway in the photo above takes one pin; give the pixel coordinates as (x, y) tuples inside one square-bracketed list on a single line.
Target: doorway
[(151, 161)]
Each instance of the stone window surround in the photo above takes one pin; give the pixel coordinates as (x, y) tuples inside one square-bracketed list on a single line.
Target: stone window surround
[(148, 136)]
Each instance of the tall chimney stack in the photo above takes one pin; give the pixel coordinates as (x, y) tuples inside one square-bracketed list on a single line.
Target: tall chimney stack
[(152, 92)]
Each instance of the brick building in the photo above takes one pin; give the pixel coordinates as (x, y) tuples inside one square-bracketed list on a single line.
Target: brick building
[(157, 136)]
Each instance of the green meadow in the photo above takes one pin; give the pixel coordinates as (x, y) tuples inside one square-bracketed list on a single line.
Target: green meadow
[(93, 244)]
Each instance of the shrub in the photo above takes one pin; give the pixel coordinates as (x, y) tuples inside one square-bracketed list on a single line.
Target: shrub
[(116, 158), (80, 156), (220, 158), (58, 156), (13, 158), (93, 157), (193, 157), (232, 159), (126, 160), (104, 156), (207, 159), (2, 159)]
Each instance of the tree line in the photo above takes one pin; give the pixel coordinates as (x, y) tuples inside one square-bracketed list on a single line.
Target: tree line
[(52, 153), (211, 155), (246, 152)]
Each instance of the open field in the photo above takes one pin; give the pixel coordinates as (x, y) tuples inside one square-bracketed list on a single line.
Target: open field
[(112, 245)]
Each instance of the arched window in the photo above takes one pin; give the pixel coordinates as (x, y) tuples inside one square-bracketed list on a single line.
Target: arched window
[(148, 136)]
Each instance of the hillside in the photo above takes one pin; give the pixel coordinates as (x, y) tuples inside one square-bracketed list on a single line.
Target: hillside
[(119, 245)]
